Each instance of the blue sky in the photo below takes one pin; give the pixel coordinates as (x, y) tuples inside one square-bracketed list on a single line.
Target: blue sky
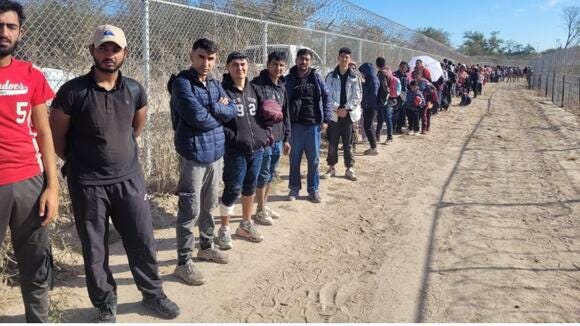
[(537, 22)]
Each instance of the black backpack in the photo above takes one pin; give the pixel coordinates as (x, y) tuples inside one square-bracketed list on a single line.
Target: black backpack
[(384, 90)]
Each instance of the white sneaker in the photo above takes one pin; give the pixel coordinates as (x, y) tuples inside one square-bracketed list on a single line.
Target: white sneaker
[(273, 214), (224, 239), (263, 218)]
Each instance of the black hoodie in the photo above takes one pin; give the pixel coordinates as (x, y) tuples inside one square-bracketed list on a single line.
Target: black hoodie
[(266, 90), (243, 133)]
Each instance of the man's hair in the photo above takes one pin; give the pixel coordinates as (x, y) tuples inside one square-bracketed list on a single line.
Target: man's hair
[(419, 60), (8, 5), (413, 83), (404, 63), (302, 52), (345, 51), (205, 44), (278, 56), (236, 55), (381, 62)]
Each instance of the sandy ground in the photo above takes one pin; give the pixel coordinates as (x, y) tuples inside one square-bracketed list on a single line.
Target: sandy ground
[(476, 222)]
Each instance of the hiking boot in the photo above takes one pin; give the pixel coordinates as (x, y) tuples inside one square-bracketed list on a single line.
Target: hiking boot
[(273, 214), (371, 152), (249, 232), (107, 313), (189, 274), (292, 195), (224, 238), (314, 197), (350, 175), (329, 174), (212, 254), (161, 305), (263, 218)]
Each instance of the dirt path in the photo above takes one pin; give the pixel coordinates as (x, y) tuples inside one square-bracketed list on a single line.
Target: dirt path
[(474, 222)]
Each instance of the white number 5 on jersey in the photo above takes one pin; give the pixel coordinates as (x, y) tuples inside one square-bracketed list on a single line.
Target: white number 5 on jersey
[(21, 112)]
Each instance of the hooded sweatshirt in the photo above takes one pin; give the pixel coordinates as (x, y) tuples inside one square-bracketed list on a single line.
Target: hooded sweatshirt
[(244, 132), (267, 90), (370, 86)]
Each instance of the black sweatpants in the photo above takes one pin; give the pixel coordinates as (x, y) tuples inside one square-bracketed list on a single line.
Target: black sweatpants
[(369, 116), (19, 203), (336, 130), (127, 204)]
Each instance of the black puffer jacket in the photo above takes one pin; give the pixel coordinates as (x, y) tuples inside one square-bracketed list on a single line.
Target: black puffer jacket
[(244, 132), (266, 90)]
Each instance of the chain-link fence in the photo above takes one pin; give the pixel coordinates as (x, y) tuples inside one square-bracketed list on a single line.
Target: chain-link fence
[(160, 34), (557, 77)]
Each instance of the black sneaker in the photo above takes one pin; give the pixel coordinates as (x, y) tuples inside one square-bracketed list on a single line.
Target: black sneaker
[(162, 306), (107, 313), (314, 197)]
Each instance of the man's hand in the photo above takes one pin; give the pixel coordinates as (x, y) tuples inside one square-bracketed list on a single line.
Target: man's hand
[(48, 205), (224, 101), (287, 148), (341, 112), (324, 127)]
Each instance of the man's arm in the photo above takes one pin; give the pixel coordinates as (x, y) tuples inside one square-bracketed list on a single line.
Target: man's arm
[(59, 124), (139, 121), (48, 204), (189, 109), (224, 110)]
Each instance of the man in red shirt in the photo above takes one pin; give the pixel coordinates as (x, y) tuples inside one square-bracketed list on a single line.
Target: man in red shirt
[(28, 175)]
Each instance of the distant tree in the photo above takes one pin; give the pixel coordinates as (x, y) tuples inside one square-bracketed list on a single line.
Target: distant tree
[(494, 43), (571, 17), (474, 43), (437, 34)]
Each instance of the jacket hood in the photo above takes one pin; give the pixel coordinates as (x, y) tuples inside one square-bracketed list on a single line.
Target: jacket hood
[(228, 82), (350, 72), (266, 76), (367, 70)]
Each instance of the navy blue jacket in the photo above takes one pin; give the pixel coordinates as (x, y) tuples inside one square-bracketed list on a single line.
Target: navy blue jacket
[(324, 102), (267, 90), (197, 117), (370, 86)]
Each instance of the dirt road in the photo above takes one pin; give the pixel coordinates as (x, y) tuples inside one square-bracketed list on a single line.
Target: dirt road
[(476, 222)]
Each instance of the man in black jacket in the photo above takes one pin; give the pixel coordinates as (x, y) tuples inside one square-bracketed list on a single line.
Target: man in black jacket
[(270, 85), (245, 141)]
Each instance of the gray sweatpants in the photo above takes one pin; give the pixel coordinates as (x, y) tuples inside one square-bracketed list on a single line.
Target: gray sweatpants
[(198, 196), (19, 209)]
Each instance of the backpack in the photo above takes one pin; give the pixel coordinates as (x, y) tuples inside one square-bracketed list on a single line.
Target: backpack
[(384, 91)]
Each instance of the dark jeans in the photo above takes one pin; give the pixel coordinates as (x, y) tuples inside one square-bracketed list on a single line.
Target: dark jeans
[(127, 204), (336, 130), (240, 174), (425, 119), (399, 116), (305, 139), (386, 116), (270, 162), (198, 196), (369, 115), (19, 210), (413, 116)]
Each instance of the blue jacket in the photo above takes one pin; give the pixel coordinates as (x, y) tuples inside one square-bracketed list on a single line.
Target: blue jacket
[(324, 103), (370, 86), (197, 117)]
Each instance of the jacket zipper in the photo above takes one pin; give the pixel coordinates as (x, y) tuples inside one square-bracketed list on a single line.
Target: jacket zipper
[(248, 120)]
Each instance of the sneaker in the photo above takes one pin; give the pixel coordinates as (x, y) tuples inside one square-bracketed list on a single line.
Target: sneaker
[(371, 152), (273, 214), (212, 254), (263, 218), (292, 195), (189, 274), (224, 238), (415, 133), (350, 175), (388, 141), (329, 174), (161, 305), (107, 313), (314, 197), (410, 132), (249, 232), (422, 132)]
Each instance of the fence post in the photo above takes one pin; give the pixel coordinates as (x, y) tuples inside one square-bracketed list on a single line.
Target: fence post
[(563, 88), (360, 60), (148, 166), (547, 76), (265, 45), (324, 49), (553, 85)]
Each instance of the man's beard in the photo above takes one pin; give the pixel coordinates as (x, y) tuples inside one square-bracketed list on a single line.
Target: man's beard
[(109, 70), (8, 51)]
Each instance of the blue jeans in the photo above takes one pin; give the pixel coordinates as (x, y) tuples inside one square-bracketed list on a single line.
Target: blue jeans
[(270, 161), (386, 116), (240, 174), (304, 139)]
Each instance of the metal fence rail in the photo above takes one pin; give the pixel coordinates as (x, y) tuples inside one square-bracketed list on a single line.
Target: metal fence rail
[(160, 34), (557, 77)]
